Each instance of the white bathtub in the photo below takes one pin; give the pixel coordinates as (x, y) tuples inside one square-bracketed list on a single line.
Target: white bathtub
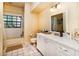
[(14, 41)]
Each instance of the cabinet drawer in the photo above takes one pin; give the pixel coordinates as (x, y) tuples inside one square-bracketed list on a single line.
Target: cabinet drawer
[(77, 53), (66, 51)]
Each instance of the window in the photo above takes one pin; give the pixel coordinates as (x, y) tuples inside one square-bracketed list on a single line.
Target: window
[(11, 21)]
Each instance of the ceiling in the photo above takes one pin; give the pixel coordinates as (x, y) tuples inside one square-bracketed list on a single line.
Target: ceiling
[(16, 4), (42, 6)]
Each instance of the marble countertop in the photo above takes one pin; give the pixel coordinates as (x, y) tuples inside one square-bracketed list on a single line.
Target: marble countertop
[(62, 40)]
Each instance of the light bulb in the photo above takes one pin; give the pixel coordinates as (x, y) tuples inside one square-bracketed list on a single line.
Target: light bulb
[(52, 9), (59, 6)]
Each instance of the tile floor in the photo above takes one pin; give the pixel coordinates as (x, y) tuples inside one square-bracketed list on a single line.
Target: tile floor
[(25, 51)]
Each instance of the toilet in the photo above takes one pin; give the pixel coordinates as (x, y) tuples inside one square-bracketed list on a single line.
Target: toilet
[(33, 41)]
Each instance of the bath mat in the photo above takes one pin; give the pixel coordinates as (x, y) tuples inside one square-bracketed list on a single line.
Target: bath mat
[(11, 48)]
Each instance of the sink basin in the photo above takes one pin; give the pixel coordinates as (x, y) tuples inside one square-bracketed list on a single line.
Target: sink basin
[(47, 32)]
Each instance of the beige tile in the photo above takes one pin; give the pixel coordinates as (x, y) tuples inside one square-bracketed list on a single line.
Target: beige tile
[(14, 54)]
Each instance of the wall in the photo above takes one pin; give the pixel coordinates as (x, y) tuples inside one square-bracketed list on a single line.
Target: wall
[(70, 16), (30, 22), (13, 10), (78, 15), (44, 19), (1, 28)]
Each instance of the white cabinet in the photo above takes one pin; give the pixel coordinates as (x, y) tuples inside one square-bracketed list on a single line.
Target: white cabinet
[(46, 46), (50, 47)]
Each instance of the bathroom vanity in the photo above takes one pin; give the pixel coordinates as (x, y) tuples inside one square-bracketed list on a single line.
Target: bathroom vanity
[(52, 45)]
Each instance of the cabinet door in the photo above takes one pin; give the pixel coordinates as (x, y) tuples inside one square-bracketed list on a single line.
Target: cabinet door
[(65, 51), (51, 48), (76, 53), (41, 45), (47, 46)]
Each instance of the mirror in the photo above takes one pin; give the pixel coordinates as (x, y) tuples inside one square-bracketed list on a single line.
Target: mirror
[(57, 23)]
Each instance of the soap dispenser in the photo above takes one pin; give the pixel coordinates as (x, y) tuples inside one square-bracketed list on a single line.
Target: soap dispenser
[(61, 34)]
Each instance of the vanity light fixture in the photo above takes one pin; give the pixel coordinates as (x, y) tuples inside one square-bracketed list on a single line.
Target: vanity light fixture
[(57, 6), (52, 9)]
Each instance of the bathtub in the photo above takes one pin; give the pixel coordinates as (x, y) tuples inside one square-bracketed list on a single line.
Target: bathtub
[(13, 41)]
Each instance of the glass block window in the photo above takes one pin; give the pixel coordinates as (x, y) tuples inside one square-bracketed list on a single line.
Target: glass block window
[(11, 21)]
